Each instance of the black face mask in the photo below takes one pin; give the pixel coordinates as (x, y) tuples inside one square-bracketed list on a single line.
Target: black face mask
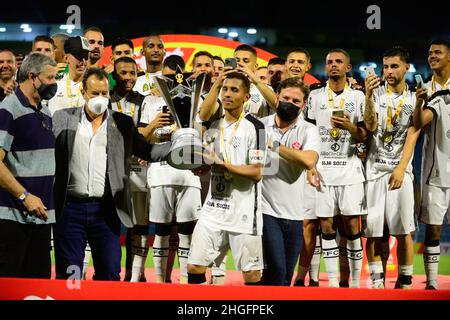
[(47, 91), (287, 111)]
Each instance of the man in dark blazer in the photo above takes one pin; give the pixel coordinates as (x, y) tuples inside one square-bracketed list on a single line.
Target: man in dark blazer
[(93, 149)]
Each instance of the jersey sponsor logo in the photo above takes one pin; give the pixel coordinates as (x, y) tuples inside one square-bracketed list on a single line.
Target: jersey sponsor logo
[(236, 142), (255, 98), (335, 147), (296, 145), (256, 156), (408, 109), (388, 147), (448, 134), (350, 107), (323, 107)]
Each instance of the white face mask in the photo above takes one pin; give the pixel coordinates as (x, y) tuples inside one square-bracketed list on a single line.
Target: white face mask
[(98, 105)]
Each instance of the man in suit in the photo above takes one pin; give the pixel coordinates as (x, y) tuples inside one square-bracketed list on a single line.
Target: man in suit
[(93, 149)]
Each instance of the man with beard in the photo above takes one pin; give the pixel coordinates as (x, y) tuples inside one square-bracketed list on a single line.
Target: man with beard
[(390, 195), (154, 52), (7, 73), (69, 90), (338, 110), (174, 193), (434, 117), (129, 102), (96, 42)]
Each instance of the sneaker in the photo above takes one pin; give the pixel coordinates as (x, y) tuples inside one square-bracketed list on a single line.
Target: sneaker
[(299, 283), (399, 285), (313, 283), (333, 283), (431, 285), (344, 284), (378, 285)]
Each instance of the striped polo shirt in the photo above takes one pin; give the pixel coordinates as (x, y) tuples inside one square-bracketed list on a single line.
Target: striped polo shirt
[(27, 138)]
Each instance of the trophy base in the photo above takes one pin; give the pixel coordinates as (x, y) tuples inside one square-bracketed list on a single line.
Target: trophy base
[(187, 150)]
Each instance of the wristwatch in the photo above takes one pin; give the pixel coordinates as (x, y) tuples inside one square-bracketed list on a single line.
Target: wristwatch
[(23, 196), (275, 145)]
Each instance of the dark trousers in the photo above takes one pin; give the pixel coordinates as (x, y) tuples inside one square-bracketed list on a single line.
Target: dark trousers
[(282, 240), (97, 223), (24, 250)]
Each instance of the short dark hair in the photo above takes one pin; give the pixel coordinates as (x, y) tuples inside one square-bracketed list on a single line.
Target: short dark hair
[(242, 77), (202, 53), (276, 60), (301, 50), (44, 38), (397, 51), (99, 73), (148, 37), (294, 82), (246, 47), (262, 67), (118, 41), (124, 60), (440, 42), (173, 61), (218, 58), (95, 29), (7, 50), (339, 50)]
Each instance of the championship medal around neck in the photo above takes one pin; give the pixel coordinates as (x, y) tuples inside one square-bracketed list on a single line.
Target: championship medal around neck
[(388, 136), (335, 133)]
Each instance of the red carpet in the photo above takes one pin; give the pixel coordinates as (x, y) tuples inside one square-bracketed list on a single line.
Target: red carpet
[(19, 289)]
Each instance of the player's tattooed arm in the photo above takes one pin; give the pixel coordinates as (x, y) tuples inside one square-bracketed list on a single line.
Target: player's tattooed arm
[(370, 116)]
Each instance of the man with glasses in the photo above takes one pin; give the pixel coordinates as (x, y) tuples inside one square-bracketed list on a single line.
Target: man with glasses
[(27, 169)]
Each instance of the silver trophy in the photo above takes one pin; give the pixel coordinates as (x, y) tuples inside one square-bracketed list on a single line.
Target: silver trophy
[(183, 100)]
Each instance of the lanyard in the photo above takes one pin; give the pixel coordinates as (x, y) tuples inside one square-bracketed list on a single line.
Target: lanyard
[(227, 159), (389, 120), (132, 108), (69, 92), (331, 99), (433, 85)]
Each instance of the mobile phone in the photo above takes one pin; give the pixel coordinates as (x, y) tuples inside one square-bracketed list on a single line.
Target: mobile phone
[(370, 71), (338, 113), (165, 109), (231, 62), (419, 80)]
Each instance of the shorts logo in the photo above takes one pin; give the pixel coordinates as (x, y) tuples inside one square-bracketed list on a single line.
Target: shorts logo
[(296, 145)]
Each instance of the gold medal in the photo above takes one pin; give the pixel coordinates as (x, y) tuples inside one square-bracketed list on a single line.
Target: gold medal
[(388, 136), (227, 175), (335, 133), (145, 87)]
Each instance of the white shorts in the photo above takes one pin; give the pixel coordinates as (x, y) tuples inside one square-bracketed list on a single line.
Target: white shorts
[(309, 196), (179, 203), (209, 247), (393, 208), (346, 200), (138, 178), (435, 205), (139, 201)]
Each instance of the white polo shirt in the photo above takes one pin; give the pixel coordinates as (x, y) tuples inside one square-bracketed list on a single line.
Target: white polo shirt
[(282, 191), (235, 205), (338, 163), (255, 102), (436, 147), (161, 173), (146, 82), (382, 157), (68, 95), (89, 159)]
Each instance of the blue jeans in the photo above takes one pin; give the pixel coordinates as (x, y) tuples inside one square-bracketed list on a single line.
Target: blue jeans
[(282, 240), (97, 223)]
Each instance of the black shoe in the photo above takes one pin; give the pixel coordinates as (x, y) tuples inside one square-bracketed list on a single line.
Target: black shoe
[(299, 283), (344, 284), (313, 283), (142, 278), (430, 287)]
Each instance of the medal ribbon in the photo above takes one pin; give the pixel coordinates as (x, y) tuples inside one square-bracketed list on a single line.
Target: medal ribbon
[(69, 92), (433, 85), (390, 121), (132, 108), (222, 138), (331, 99)]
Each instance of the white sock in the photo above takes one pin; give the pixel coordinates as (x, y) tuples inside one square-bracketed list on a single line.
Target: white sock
[(87, 259), (314, 268), (431, 257), (376, 274), (139, 252), (331, 258), (405, 273), (355, 256), (221, 270), (160, 255), (183, 254)]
